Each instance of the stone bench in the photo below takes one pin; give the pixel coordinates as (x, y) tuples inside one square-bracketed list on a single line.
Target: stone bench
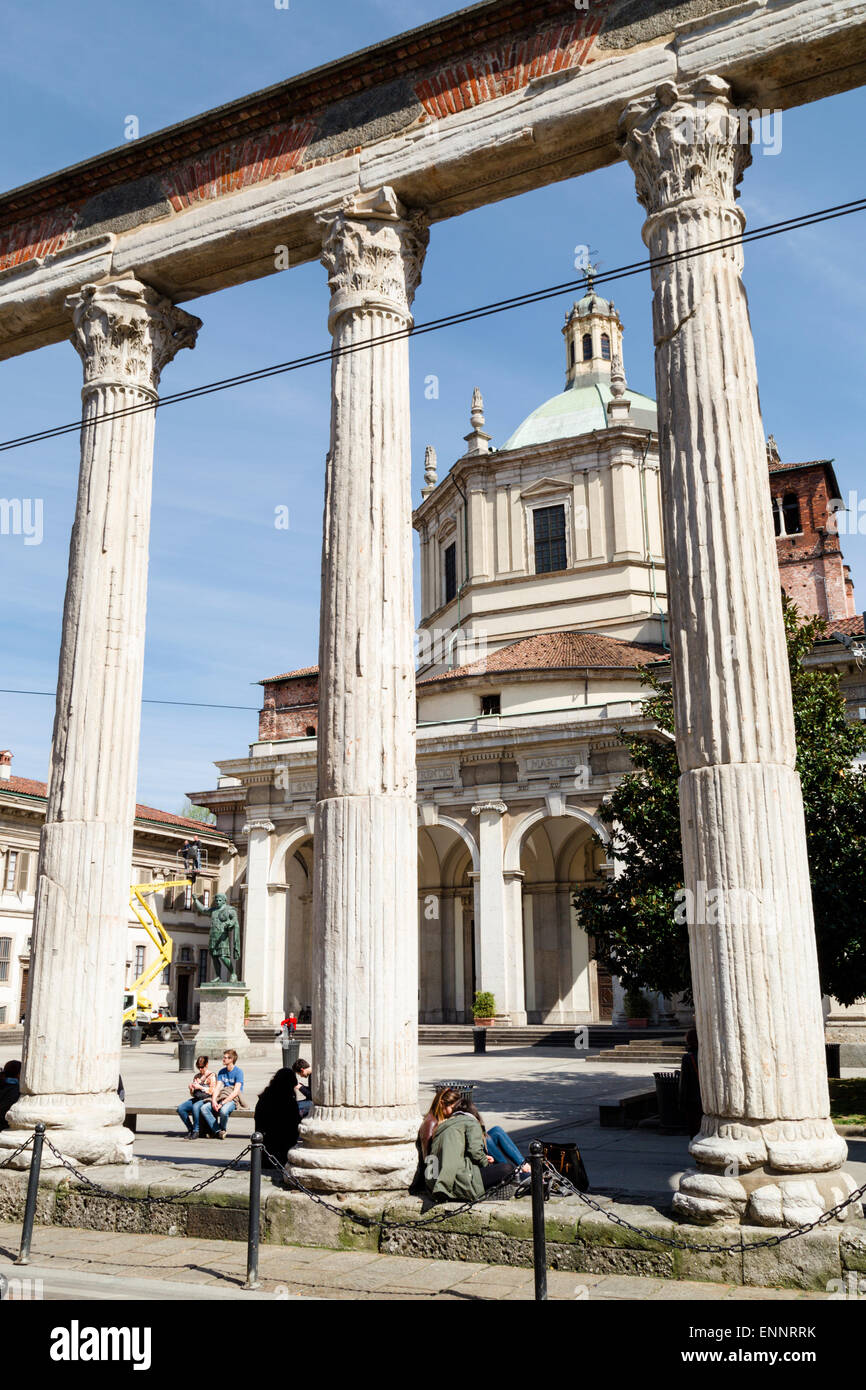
[(133, 1112), (628, 1111)]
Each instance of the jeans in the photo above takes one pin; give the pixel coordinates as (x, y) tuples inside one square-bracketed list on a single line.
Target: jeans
[(191, 1108), (221, 1121), (304, 1108), (502, 1148)]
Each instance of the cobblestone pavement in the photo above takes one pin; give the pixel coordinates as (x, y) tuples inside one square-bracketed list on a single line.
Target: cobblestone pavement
[(115, 1265)]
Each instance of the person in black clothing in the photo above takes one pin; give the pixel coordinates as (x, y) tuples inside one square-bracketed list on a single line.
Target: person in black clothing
[(691, 1105), (277, 1117), (10, 1089)]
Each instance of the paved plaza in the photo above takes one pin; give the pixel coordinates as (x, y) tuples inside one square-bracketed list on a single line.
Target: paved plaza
[(546, 1093)]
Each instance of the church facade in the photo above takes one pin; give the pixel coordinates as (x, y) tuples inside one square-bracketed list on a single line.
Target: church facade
[(542, 597)]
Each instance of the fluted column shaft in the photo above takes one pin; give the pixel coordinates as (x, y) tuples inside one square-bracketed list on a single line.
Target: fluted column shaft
[(365, 963), (124, 333), (754, 962)]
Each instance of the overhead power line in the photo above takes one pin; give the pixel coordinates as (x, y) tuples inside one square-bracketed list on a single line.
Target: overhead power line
[(500, 306), (188, 704)]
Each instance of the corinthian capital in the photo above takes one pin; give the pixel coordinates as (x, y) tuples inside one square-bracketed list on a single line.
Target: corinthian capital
[(125, 333), (686, 143), (373, 251)]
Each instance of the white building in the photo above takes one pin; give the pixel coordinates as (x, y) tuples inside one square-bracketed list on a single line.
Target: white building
[(542, 594), (157, 842)]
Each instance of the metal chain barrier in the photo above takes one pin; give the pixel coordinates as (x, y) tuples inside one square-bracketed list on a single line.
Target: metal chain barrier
[(446, 1214), (148, 1200), (741, 1247), (25, 1145)]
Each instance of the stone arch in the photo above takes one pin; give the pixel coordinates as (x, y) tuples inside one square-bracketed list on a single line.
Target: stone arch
[(525, 824), (281, 849)]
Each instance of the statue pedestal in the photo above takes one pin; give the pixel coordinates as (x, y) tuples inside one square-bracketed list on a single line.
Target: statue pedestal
[(221, 1023)]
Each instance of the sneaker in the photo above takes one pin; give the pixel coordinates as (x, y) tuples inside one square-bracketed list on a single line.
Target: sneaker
[(221, 1134), (192, 1134)]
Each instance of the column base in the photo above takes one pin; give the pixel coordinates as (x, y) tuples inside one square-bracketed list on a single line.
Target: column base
[(113, 1144), (763, 1197), (356, 1154), (787, 1146)]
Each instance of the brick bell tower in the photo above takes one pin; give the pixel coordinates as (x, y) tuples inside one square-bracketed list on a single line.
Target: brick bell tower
[(806, 498)]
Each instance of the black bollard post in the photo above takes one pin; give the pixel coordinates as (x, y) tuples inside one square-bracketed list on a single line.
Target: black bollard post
[(539, 1238), (255, 1212), (32, 1194), (479, 1040)]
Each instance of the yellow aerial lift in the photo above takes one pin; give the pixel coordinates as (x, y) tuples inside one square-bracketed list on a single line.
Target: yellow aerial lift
[(137, 1008)]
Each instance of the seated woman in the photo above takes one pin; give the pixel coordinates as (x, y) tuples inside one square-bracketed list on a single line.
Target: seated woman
[(201, 1090), (303, 1092), (498, 1144), (458, 1168), (277, 1117)]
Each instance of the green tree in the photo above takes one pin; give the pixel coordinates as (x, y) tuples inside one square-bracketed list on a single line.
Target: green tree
[(201, 813), (634, 917)]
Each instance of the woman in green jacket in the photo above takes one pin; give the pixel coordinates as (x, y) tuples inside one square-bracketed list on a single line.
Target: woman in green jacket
[(458, 1167)]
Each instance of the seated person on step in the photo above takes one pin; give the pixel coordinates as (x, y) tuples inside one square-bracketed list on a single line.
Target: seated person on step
[(201, 1090), (229, 1088)]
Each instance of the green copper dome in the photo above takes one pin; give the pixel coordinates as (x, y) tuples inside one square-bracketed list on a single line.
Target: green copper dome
[(579, 410)]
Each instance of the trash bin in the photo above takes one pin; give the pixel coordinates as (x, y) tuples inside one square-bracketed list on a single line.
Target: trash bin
[(135, 1036), (668, 1097), (186, 1056), (291, 1052), (833, 1059), (479, 1039)]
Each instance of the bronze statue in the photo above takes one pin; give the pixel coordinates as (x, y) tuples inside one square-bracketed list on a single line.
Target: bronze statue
[(225, 936)]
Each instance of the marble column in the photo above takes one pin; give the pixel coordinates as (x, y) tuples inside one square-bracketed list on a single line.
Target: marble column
[(767, 1151), (125, 334), (258, 972), (361, 1132), (498, 920)]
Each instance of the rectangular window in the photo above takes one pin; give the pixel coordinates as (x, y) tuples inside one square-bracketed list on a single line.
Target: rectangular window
[(202, 965), (187, 897), (205, 897), (2, 1013), (139, 960), (11, 865), (186, 954), (165, 978), (491, 704), (549, 523), (22, 877), (5, 956), (450, 562)]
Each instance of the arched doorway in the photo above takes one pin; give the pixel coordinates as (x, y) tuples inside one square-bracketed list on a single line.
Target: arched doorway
[(447, 861), (552, 855)]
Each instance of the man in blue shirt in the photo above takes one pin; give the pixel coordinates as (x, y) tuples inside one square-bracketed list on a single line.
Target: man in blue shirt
[(230, 1084)]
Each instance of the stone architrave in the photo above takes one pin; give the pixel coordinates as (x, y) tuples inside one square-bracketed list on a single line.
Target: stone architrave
[(125, 334), (767, 1151), (361, 1132)]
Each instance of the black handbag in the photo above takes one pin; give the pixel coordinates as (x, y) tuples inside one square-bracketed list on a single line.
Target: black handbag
[(565, 1159)]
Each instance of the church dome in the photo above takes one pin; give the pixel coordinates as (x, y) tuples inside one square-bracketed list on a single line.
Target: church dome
[(593, 342), (579, 410)]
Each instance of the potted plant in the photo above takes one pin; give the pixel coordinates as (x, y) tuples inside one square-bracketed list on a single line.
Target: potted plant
[(484, 1009), (636, 1008)]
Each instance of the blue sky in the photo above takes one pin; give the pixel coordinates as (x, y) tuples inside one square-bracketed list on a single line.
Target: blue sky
[(232, 599)]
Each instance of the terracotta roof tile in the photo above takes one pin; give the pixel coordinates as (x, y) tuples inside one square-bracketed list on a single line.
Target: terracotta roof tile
[(26, 787), (559, 651), (291, 675), (851, 627)]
